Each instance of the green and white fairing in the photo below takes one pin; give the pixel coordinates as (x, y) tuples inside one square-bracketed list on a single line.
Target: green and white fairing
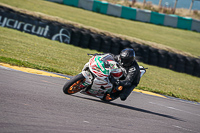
[(101, 66)]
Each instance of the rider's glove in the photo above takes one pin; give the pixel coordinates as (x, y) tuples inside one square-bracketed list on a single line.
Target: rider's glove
[(113, 80)]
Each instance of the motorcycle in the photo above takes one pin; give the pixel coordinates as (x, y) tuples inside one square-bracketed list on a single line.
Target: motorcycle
[(94, 78)]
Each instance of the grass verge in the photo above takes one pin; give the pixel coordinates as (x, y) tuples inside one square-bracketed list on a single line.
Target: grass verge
[(16, 62), (18, 48)]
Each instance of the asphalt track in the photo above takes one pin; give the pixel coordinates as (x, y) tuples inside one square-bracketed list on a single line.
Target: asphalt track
[(32, 103)]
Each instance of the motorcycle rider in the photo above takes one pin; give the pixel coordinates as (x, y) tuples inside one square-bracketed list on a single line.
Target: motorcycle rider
[(131, 75)]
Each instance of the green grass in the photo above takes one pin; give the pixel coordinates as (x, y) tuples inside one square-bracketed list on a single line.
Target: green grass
[(183, 40), (42, 52), (23, 49)]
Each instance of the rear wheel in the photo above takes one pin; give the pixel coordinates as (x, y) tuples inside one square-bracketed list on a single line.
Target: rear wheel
[(74, 85)]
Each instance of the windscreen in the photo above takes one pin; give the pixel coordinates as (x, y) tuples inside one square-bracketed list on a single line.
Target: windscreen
[(105, 60)]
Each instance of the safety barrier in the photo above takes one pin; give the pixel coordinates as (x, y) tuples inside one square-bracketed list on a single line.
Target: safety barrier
[(128, 13), (171, 20), (86, 4), (143, 15), (157, 18), (148, 16), (35, 26), (85, 38)]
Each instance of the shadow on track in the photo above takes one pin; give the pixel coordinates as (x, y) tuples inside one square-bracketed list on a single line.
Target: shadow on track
[(129, 107)]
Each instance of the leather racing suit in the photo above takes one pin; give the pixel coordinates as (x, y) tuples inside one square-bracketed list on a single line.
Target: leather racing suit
[(130, 79)]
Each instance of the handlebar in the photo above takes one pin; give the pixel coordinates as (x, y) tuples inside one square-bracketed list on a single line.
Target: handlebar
[(94, 54), (90, 54), (143, 68)]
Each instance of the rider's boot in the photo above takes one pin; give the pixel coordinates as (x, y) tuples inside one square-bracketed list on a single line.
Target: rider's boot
[(108, 97), (114, 94)]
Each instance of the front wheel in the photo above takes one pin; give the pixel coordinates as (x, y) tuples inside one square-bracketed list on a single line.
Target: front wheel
[(74, 84)]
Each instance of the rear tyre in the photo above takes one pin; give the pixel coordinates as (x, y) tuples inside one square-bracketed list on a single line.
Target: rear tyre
[(74, 84)]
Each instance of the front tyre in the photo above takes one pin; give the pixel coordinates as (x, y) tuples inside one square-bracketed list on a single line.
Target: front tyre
[(74, 84)]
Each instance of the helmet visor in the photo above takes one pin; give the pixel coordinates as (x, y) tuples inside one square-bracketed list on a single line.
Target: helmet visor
[(126, 62)]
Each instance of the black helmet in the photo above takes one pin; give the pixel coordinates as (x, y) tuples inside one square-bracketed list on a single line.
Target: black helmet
[(127, 56)]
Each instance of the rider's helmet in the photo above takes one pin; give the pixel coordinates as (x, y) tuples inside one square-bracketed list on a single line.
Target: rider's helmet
[(127, 56)]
